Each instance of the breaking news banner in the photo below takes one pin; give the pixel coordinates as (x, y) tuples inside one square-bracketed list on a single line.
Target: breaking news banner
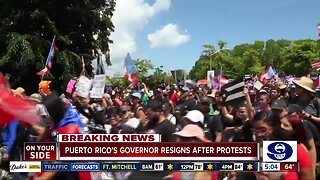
[(109, 138), (135, 147), (158, 151), (25, 166), (279, 151)]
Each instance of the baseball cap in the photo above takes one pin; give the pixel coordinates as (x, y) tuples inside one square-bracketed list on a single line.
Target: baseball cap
[(154, 105), (137, 95), (195, 116), (294, 108), (278, 105), (133, 123), (185, 88), (192, 130), (36, 97)]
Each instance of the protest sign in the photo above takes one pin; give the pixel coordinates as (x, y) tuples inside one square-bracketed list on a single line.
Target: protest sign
[(83, 86), (98, 86)]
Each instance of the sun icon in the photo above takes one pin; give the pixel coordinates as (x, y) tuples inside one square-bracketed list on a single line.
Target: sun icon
[(170, 167)]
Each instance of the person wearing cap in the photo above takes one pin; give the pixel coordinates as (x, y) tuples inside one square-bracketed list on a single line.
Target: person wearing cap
[(283, 89), (212, 124), (179, 113), (312, 134), (192, 133), (45, 122), (137, 109), (20, 91), (279, 107), (194, 117), (306, 99), (44, 88)]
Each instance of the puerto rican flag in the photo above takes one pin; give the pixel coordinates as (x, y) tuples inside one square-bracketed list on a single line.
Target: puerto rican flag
[(131, 70), (268, 74), (51, 54), (220, 80)]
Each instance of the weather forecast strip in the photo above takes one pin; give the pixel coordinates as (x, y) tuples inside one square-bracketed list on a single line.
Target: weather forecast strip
[(147, 166), (291, 167)]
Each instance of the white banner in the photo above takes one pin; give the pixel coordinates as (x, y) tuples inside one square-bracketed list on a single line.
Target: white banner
[(210, 78), (83, 86), (98, 85)]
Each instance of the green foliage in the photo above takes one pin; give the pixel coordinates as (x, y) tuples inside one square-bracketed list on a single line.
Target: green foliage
[(119, 82), (27, 29), (287, 57), (144, 67)]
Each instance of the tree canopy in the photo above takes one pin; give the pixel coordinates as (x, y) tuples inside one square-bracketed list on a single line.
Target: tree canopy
[(287, 57), (27, 28)]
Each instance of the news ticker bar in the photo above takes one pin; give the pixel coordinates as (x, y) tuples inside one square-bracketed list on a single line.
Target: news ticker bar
[(38, 166), (140, 151)]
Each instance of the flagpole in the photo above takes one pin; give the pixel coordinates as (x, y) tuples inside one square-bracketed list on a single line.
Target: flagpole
[(220, 76)]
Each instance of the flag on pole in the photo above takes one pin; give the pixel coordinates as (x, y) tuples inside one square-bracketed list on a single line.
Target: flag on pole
[(100, 65), (220, 80), (318, 27), (83, 64), (48, 65), (268, 74), (83, 72), (131, 70)]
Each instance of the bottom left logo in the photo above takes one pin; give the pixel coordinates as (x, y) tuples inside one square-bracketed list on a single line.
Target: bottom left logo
[(25, 166)]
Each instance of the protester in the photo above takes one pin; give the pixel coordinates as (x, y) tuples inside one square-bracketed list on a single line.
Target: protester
[(192, 133), (158, 122), (296, 127), (306, 99), (62, 125), (278, 110)]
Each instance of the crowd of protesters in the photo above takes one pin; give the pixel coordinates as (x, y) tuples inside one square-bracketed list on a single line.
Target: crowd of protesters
[(277, 111)]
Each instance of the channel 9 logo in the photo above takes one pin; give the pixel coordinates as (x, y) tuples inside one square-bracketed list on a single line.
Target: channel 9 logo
[(279, 151)]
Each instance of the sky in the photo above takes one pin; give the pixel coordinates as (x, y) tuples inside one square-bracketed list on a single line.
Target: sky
[(172, 33)]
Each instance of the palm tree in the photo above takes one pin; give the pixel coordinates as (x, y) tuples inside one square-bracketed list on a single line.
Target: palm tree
[(222, 44)]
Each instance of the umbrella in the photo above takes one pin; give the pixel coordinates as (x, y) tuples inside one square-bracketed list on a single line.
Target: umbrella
[(202, 82), (190, 84)]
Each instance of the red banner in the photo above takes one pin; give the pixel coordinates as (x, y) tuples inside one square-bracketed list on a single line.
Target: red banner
[(42, 151)]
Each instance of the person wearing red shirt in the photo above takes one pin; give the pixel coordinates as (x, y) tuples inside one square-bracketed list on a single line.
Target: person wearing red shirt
[(174, 98)]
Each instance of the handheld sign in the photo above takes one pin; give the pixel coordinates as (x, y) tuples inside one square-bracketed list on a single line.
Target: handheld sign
[(98, 85), (83, 86)]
